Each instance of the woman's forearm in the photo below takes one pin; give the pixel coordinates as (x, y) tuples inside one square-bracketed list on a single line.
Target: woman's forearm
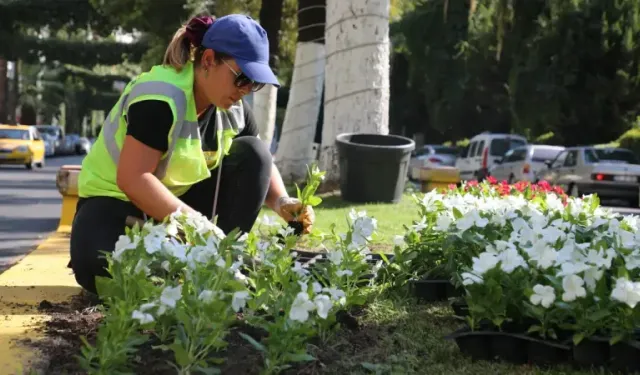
[(276, 188), (152, 197)]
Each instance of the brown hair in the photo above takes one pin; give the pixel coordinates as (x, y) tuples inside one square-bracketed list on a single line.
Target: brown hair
[(186, 43)]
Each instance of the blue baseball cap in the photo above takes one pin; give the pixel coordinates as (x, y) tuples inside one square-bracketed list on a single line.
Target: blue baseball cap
[(242, 38)]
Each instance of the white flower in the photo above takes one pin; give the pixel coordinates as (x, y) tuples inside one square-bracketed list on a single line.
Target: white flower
[(166, 265), (543, 254), (153, 243), (206, 296), (363, 228), (484, 263), (573, 288), (627, 292), (443, 221), (471, 219), (572, 268), (142, 317), (269, 221), (470, 279), (239, 276), (554, 202), (543, 295), (142, 266), (170, 295), (420, 225), (123, 244), (632, 261), (147, 306), (286, 231), (299, 270), (317, 288), (301, 307), (398, 240), (335, 257), (591, 277), (175, 249), (510, 260), (323, 305), (336, 294), (201, 224), (341, 273), (239, 300)]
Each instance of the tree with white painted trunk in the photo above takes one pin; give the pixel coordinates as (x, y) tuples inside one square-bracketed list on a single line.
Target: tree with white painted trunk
[(357, 74), (264, 101), (296, 147)]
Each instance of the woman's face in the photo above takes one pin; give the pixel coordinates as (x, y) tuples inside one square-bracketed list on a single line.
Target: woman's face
[(217, 81)]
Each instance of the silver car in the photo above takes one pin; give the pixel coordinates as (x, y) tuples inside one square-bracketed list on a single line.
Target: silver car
[(433, 156), (611, 173), (524, 163)]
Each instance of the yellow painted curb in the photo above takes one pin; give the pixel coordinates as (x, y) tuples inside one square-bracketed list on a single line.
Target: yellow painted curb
[(41, 275)]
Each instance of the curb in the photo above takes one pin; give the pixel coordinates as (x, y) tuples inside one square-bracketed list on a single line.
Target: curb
[(41, 275)]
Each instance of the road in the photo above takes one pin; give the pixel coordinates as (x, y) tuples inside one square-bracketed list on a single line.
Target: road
[(29, 207)]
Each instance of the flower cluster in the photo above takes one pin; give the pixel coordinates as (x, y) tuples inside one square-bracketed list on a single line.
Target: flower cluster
[(534, 254)]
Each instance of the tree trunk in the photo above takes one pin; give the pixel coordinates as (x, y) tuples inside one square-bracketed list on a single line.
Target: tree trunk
[(264, 101), (296, 147), (3, 91), (13, 93), (357, 74)]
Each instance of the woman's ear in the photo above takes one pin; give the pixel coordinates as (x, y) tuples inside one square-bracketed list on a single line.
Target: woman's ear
[(208, 59)]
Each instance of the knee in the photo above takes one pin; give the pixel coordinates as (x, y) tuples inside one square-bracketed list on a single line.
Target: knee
[(254, 152)]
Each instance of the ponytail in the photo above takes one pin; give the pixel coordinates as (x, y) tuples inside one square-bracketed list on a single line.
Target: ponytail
[(187, 38)]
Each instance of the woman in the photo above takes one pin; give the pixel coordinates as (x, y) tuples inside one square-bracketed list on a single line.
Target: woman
[(181, 137)]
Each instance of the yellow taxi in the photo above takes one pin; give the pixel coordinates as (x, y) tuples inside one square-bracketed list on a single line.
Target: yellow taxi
[(21, 144)]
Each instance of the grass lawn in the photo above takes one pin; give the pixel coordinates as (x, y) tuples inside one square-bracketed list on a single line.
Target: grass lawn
[(398, 335), (391, 217)]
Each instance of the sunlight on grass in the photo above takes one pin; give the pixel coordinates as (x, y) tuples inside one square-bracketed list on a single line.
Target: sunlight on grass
[(391, 217)]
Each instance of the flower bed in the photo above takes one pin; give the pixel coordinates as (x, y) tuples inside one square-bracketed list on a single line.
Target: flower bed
[(184, 284), (536, 267)]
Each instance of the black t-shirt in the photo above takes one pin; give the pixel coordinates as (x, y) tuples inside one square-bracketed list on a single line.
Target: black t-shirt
[(149, 122)]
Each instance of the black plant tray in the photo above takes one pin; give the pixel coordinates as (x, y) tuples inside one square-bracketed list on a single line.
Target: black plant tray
[(514, 348), (428, 290), (460, 308)]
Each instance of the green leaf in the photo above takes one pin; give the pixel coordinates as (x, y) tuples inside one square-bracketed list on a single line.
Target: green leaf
[(599, 315), (577, 338), (456, 213), (208, 370), (253, 342), (182, 357), (616, 339), (314, 201), (298, 192), (303, 357)]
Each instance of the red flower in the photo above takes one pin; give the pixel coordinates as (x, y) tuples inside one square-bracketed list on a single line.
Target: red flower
[(472, 183), (492, 180), (452, 186)]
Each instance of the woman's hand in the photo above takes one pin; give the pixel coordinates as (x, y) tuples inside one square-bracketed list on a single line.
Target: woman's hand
[(291, 209)]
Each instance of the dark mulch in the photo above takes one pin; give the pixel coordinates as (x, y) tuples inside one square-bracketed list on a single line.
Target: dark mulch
[(80, 318)]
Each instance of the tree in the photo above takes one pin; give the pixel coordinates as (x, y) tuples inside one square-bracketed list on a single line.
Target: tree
[(295, 150), (357, 74), (264, 101)]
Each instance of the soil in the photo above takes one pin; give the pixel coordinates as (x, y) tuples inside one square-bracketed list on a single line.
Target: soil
[(81, 318)]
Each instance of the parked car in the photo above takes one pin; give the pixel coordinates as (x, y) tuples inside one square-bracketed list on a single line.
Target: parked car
[(611, 173), (432, 156), (21, 144), (55, 132), (483, 151), (75, 144), (49, 144), (524, 163)]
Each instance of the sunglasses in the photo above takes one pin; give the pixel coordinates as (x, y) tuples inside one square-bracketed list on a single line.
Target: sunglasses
[(242, 80)]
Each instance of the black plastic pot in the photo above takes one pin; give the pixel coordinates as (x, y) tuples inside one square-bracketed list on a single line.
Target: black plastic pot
[(591, 352), (373, 167), (625, 356), (429, 290), (509, 348), (460, 308), (547, 353), (452, 291), (476, 345)]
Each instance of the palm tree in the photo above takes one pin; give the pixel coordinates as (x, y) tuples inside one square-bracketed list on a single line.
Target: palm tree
[(296, 149)]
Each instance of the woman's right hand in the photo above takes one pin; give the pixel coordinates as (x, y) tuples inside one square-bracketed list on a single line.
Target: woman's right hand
[(136, 179)]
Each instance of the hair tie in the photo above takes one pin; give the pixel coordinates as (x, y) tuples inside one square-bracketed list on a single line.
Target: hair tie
[(197, 27)]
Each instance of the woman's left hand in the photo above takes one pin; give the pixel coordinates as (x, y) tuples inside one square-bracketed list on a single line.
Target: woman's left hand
[(291, 209)]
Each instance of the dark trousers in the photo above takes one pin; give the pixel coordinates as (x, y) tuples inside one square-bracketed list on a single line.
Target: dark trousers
[(244, 182)]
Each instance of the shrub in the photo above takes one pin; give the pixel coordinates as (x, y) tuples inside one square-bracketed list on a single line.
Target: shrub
[(631, 140)]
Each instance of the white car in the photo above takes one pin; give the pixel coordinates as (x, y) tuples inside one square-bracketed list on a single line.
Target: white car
[(524, 163), (482, 153)]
